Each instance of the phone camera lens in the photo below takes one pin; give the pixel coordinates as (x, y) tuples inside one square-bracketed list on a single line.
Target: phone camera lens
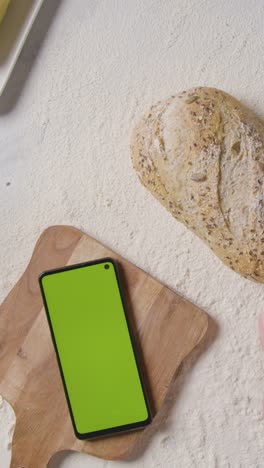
[(106, 267)]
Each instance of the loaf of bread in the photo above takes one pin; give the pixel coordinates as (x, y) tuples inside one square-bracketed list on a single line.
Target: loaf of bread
[(201, 154), (3, 8)]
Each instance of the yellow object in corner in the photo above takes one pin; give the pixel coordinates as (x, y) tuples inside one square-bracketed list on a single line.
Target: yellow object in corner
[(3, 8)]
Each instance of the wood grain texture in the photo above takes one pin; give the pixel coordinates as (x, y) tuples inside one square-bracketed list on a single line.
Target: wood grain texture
[(167, 328)]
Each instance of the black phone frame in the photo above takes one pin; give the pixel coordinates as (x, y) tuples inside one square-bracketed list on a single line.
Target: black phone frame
[(113, 430)]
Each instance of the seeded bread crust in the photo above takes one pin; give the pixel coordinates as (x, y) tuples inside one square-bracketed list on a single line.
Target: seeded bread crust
[(201, 154)]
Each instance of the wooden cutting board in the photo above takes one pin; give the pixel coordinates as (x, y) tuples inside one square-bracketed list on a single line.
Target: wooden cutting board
[(167, 328)]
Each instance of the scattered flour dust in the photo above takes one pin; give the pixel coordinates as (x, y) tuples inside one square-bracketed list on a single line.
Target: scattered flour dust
[(88, 72), (6, 432)]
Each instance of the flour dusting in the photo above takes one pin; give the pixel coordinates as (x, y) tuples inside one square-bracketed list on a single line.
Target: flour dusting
[(65, 125)]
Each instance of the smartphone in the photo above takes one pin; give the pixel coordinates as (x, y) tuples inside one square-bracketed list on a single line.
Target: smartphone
[(95, 350)]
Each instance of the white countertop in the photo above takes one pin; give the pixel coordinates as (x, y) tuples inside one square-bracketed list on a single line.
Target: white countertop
[(87, 72)]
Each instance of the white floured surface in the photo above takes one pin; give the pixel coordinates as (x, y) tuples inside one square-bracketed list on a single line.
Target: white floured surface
[(7, 424), (64, 149)]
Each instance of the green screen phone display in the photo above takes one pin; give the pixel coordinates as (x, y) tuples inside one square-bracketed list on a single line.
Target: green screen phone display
[(93, 345)]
